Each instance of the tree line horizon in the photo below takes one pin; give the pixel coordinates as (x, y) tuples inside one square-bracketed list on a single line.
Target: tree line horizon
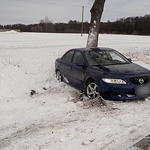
[(130, 25)]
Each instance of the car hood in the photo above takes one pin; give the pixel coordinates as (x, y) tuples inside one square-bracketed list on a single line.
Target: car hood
[(126, 70)]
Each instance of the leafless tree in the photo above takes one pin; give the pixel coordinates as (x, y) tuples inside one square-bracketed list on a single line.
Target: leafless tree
[(96, 13), (47, 25)]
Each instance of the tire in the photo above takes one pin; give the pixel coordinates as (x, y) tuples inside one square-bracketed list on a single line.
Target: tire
[(58, 76), (92, 90)]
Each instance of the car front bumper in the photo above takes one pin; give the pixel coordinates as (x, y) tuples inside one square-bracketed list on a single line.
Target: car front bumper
[(124, 92)]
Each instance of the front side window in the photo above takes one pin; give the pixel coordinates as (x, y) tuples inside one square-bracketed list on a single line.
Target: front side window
[(78, 58)]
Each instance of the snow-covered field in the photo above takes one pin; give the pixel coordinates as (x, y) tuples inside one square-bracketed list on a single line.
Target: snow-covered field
[(54, 117)]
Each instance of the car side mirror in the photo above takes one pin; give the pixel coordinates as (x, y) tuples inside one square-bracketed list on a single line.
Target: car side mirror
[(130, 59)]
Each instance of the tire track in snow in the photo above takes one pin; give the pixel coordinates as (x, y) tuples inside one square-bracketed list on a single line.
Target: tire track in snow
[(32, 130)]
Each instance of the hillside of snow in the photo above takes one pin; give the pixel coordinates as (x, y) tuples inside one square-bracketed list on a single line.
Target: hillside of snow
[(40, 113)]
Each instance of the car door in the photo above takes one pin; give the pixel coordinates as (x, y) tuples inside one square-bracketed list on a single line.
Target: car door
[(78, 70), (66, 66)]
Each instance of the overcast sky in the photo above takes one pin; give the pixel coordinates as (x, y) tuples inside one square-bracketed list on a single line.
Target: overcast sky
[(32, 11)]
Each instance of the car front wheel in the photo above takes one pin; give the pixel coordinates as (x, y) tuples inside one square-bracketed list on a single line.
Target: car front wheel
[(92, 90)]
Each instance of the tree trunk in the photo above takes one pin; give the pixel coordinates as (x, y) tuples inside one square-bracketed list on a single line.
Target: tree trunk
[(96, 13)]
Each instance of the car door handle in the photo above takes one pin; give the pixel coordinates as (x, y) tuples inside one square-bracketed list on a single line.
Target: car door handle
[(70, 68)]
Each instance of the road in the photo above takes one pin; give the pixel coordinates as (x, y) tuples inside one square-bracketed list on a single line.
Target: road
[(143, 144)]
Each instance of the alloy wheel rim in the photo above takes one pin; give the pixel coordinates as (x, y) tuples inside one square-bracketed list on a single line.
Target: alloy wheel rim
[(92, 90)]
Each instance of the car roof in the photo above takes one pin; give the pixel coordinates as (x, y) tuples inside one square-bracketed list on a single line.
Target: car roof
[(92, 49)]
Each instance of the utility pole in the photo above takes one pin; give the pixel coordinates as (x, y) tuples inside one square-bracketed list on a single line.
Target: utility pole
[(82, 20)]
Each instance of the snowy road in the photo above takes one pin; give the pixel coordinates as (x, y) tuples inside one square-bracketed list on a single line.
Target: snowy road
[(143, 144)]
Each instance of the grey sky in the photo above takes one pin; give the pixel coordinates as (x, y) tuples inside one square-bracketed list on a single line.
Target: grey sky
[(32, 11)]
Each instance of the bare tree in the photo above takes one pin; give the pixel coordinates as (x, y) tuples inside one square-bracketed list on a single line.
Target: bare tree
[(47, 25), (96, 13)]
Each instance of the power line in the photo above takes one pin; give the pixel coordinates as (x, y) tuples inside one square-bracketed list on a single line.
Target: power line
[(30, 1), (69, 5), (118, 12)]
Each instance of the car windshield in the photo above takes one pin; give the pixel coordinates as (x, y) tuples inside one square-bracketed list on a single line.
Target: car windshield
[(105, 57)]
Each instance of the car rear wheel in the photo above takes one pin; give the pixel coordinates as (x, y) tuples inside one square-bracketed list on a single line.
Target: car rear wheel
[(58, 76), (92, 90)]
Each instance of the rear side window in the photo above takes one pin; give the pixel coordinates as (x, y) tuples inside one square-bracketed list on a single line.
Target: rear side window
[(68, 56)]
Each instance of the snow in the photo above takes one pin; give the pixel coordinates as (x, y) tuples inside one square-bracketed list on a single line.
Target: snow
[(57, 116), (11, 31)]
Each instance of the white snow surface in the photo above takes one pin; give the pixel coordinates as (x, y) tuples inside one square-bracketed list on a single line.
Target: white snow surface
[(54, 117)]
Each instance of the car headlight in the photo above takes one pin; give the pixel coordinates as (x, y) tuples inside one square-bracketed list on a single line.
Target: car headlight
[(113, 81)]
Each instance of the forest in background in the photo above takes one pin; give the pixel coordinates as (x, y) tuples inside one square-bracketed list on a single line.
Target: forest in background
[(131, 25)]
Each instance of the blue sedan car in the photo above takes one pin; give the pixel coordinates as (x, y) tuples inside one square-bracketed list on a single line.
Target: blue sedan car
[(103, 72)]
